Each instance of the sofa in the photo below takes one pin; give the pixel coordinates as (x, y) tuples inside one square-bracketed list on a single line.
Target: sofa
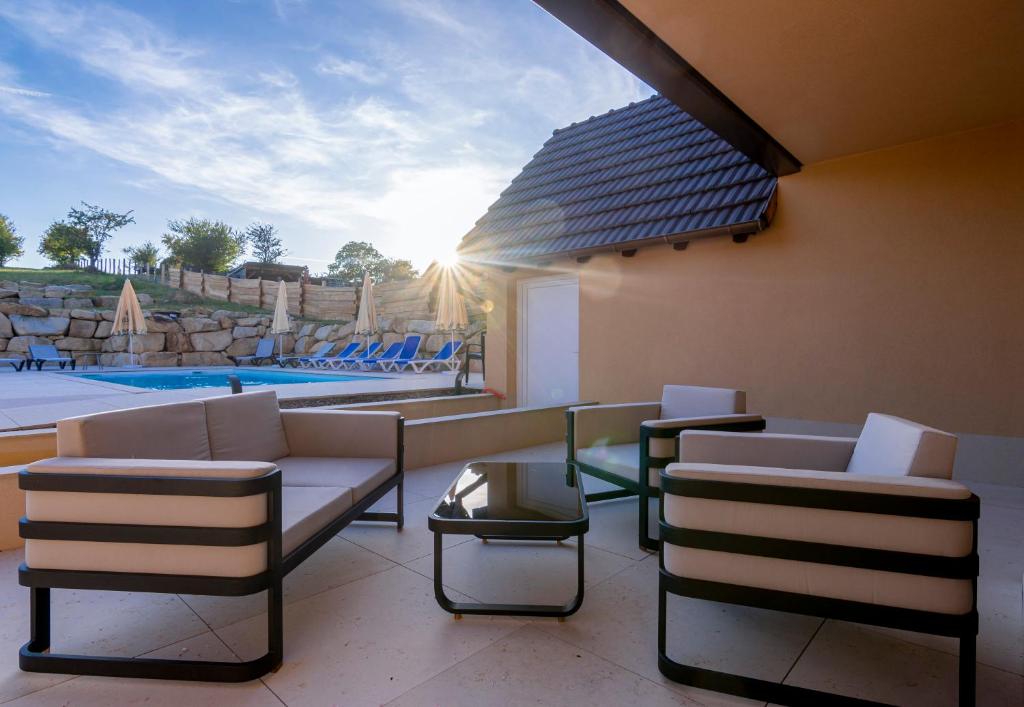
[(614, 442), (870, 529), (223, 496)]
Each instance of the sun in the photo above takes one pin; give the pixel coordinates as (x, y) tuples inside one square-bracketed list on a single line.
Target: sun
[(448, 259)]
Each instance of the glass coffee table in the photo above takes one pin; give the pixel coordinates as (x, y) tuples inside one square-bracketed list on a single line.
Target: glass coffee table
[(512, 501)]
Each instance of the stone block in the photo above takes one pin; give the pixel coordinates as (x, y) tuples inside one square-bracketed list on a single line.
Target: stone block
[(324, 333), (211, 340), (435, 342), (222, 314), (80, 290), (107, 315), (89, 314), (6, 293), (21, 343), (78, 303), (304, 344), (419, 326), (117, 359), (82, 328), (152, 359), (27, 310), (204, 358), (192, 325), (103, 329), (343, 331), (59, 312), (141, 343), (145, 299), (39, 326), (46, 302), (244, 332), (3, 344), (177, 341), (162, 325), (391, 338), (242, 347), (9, 285), (249, 321), (31, 290), (56, 291), (72, 343), (306, 330), (105, 301), (6, 330)]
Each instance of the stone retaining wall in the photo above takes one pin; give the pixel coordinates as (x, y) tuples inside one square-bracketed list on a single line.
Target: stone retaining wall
[(79, 323)]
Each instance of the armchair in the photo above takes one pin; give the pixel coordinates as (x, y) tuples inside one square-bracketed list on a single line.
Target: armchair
[(615, 442), (870, 530)]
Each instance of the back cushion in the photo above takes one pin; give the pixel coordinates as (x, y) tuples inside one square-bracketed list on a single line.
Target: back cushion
[(246, 427), (176, 431), (695, 401), (892, 446)]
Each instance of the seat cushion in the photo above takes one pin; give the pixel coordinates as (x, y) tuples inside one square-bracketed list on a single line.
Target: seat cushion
[(176, 431), (361, 475), (892, 446), (620, 459), (697, 401), (246, 427), (306, 510)]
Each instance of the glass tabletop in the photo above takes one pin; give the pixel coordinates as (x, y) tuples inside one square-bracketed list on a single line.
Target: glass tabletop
[(513, 491)]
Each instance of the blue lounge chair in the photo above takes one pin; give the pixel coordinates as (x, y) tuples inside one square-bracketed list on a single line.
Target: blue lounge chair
[(447, 356), (390, 353), (296, 361), (354, 361), (410, 348), (264, 352), (42, 354), (323, 361)]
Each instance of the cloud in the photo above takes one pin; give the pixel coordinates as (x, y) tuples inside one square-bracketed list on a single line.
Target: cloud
[(333, 66), (23, 92)]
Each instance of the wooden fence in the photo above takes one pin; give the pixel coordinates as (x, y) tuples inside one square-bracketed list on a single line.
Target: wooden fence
[(408, 299)]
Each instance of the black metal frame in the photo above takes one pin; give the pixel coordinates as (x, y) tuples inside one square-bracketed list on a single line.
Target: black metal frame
[(17, 365), (640, 487), (39, 362), (498, 529), (963, 627), (35, 656)]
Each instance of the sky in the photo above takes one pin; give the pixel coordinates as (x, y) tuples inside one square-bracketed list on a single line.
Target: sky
[(391, 121)]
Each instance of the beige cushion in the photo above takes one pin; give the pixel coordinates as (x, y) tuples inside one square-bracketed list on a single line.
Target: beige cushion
[(246, 426), (766, 450), (606, 425), (697, 401), (341, 433), (308, 509), (360, 475), (893, 446), (947, 596), (176, 431), (304, 512)]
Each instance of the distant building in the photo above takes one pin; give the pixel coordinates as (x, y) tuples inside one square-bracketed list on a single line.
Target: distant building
[(270, 271)]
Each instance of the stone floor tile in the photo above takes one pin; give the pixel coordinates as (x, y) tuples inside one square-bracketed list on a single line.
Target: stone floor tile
[(414, 541)]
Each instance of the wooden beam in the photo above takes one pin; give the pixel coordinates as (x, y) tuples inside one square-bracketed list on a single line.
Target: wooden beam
[(614, 30)]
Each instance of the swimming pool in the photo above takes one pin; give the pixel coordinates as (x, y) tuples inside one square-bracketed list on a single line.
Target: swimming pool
[(180, 380)]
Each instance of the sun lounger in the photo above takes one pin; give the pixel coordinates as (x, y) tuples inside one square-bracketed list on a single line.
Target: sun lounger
[(445, 357), (354, 361), (324, 361), (16, 363), (41, 354), (408, 351), (295, 361), (389, 354), (264, 352)]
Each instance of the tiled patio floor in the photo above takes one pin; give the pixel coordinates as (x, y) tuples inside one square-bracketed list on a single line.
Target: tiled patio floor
[(362, 627)]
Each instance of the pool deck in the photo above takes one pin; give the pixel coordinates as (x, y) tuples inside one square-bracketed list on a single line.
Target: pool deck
[(31, 399)]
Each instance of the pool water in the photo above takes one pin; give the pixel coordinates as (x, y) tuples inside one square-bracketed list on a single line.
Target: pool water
[(215, 379)]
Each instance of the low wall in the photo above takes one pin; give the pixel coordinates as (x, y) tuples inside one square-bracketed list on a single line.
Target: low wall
[(421, 408)]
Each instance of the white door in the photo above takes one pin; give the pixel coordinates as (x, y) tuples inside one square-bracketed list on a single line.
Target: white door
[(549, 341)]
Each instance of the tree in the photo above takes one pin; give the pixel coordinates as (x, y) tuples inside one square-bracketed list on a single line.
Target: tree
[(10, 242), (266, 246), (145, 256), (202, 244), (358, 257), (64, 243), (100, 224)]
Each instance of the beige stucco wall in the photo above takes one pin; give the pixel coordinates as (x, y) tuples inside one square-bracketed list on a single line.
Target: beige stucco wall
[(889, 281)]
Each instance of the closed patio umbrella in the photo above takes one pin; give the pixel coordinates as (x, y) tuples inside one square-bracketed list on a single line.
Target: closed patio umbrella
[(128, 318), (451, 308), (366, 322), (281, 325)]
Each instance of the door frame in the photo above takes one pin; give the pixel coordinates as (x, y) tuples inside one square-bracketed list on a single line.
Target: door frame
[(522, 337)]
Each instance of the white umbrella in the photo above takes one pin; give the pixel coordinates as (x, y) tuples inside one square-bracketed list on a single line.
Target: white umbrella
[(366, 322), (281, 325), (128, 318), (451, 308)]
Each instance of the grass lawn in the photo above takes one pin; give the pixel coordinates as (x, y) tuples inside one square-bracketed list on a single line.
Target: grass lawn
[(105, 284)]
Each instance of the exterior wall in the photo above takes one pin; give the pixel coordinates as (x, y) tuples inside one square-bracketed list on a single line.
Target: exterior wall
[(889, 281)]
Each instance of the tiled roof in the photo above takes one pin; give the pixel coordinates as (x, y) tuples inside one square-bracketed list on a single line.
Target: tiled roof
[(641, 172)]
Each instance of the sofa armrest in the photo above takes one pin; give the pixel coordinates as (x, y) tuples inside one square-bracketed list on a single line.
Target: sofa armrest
[(170, 468), (343, 433), (766, 450), (739, 420), (609, 424)]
